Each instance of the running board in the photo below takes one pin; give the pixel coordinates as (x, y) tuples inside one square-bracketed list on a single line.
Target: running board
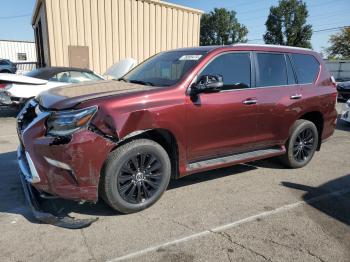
[(235, 159)]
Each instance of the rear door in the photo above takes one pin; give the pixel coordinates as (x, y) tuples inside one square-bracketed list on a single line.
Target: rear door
[(278, 95), (225, 122)]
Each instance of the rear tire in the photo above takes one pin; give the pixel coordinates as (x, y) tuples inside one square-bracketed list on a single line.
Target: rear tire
[(301, 145), (135, 176)]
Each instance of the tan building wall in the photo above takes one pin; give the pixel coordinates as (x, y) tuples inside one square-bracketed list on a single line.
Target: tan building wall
[(111, 30)]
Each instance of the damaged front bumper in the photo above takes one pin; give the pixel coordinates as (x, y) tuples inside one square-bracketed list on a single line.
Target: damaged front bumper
[(63, 168), (33, 199)]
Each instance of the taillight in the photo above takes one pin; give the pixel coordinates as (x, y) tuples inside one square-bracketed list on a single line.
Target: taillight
[(2, 86), (334, 83)]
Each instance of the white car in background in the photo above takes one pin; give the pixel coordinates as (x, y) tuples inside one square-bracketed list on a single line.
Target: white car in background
[(345, 114), (15, 90)]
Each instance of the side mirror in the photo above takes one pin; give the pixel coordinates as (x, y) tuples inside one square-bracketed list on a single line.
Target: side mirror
[(207, 84)]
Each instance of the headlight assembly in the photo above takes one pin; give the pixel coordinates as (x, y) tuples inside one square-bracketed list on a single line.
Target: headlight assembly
[(65, 123)]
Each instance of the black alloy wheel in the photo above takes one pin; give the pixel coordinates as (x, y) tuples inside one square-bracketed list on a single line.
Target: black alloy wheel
[(140, 177), (135, 175), (304, 145), (301, 144)]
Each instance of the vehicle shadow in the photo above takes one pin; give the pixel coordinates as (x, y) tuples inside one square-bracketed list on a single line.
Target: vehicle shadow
[(13, 200), (337, 206), (11, 193)]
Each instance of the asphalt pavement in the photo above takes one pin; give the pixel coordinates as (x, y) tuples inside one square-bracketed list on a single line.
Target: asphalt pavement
[(259, 211)]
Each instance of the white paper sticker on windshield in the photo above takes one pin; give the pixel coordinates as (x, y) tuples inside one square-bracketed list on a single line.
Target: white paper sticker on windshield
[(190, 57)]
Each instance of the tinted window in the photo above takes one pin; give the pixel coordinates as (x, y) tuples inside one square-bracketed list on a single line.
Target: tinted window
[(291, 77), (271, 70), (164, 69), (307, 68), (233, 67)]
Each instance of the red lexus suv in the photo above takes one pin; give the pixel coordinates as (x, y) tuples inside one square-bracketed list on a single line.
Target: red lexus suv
[(179, 112)]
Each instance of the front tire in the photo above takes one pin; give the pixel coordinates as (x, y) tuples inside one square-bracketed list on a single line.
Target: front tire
[(301, 145), (135, 176)]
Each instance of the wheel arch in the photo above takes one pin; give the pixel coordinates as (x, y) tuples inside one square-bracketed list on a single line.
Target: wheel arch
[(317, 118), (164, 137)]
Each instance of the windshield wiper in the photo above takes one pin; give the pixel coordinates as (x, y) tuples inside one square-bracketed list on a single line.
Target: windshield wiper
[(141, 82)]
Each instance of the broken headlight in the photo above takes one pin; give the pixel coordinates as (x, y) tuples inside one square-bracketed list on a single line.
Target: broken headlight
[(65, 123)]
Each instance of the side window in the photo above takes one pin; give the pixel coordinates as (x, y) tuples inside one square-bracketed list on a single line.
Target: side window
[(271, 70), (291, 76), (78, 77), (61, 77), (233, 67), (73, 77), (307, 68)]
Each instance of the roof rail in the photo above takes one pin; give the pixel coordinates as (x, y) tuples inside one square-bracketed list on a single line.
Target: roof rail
[(267, 45)]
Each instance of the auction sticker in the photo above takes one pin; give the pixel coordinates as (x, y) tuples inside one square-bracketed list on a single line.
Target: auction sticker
[(190, 57)]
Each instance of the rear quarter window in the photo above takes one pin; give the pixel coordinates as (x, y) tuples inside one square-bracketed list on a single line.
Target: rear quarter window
[(306, 67)]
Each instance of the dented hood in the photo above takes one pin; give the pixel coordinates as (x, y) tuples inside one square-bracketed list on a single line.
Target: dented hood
[(69, 96)]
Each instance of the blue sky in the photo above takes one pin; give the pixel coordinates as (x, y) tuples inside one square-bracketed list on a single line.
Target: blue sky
[(323, 14)]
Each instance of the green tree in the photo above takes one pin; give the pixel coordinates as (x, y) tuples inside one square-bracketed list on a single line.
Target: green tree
[(340, 44), (221, 27), (286, 24)]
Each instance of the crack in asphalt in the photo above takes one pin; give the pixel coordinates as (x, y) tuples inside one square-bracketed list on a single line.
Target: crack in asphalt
[(182, 224), (314, 255), (295, 248), (229, 238), (91, 254), (228, 256)]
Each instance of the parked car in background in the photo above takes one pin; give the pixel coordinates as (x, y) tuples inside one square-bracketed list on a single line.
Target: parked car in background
[(179, 112), (6, 66), (16, 90), (18, 93), (345, 114), (343, 89)]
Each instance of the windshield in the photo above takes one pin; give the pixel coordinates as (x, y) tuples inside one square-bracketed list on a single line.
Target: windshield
[(164, 69)]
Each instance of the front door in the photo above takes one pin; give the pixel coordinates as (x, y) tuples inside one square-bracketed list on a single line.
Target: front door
[(225, 122)]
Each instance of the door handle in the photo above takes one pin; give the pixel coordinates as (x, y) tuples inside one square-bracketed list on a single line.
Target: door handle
[(250, 101), (296, 96)]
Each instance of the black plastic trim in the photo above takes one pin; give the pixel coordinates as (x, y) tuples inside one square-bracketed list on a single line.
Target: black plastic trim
[(39, 214)]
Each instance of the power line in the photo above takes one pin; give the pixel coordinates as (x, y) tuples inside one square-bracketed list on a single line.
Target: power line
[(315, 6), (316, 31), (310, 17), (330, 29), (15, 16), (335, 22)]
